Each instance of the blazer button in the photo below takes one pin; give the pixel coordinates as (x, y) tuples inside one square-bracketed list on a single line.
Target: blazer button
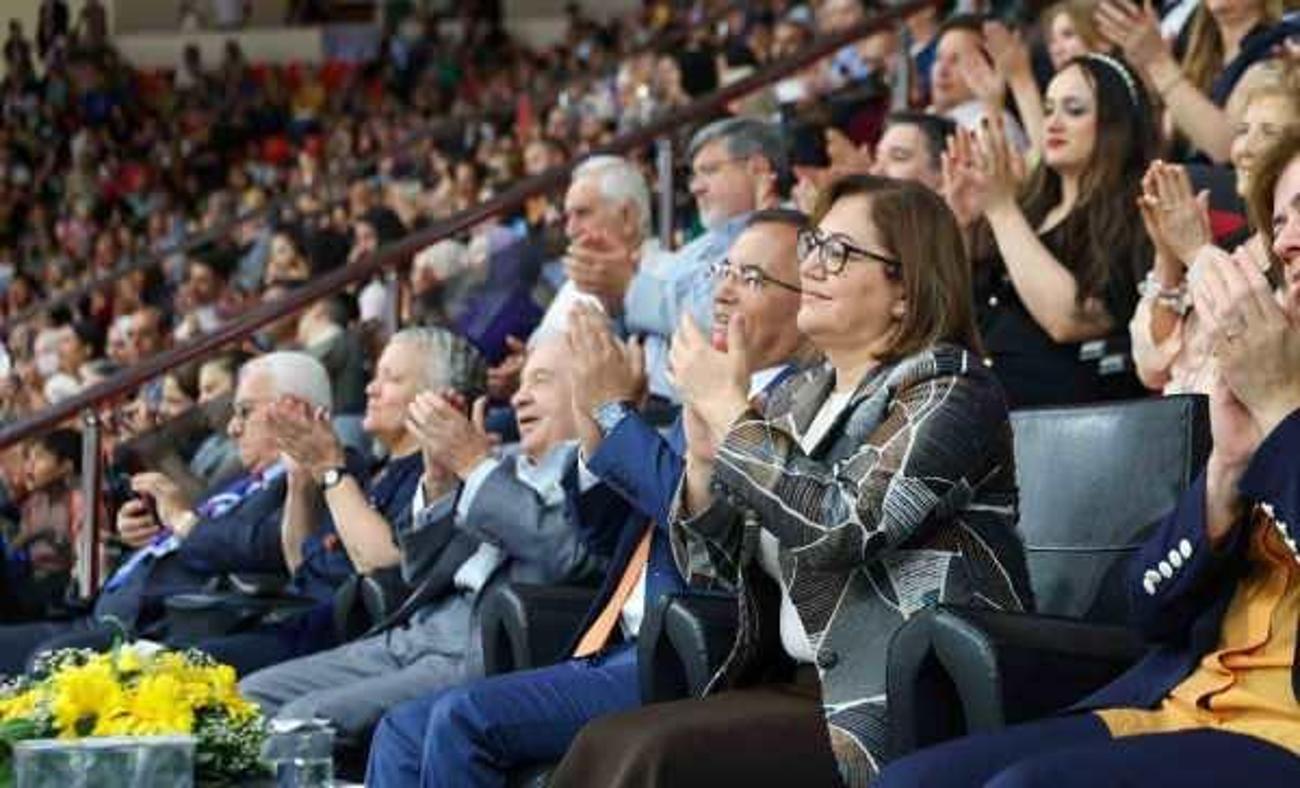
[(828, 659)]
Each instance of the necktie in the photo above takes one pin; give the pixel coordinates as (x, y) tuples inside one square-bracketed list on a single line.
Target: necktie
[(597, 635)]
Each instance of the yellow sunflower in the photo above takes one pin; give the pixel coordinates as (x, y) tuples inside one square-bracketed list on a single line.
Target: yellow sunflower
[(82, 696)]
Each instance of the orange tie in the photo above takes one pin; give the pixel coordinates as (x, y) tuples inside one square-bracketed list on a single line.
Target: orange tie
[(597, 635)]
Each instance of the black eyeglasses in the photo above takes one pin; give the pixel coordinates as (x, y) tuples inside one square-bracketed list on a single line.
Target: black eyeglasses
[(751, 276), (835, 251)]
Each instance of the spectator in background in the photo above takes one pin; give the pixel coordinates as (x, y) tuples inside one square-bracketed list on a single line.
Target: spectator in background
[(911, 149), (1057, 272), (40, 554), (1071, 31), (1224, 41), (322, 333), (958, 56)]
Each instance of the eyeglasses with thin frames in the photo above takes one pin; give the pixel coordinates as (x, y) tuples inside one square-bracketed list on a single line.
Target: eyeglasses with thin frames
[(835, 250), (750, 276)]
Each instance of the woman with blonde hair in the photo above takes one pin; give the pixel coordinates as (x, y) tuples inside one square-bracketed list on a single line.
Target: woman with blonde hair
[(1171, 343), (1227, 38)]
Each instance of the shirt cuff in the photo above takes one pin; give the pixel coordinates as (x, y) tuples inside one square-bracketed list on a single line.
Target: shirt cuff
[(469, 489)]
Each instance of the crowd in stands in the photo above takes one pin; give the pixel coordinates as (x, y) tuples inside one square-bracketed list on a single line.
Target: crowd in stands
[(800, 398)]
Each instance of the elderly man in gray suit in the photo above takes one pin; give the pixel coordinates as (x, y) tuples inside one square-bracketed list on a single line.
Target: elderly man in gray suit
[(529, 518)]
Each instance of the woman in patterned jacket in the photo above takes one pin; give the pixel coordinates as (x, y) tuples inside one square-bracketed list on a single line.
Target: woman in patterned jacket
[(860, 492)]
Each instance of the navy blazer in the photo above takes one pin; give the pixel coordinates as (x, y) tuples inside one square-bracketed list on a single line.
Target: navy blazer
[(244, 538), (1181, 586), (645, 469)]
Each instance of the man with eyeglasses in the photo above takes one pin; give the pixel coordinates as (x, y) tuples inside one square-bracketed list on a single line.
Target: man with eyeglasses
[(736, 166), (178, 545), (476, 734)]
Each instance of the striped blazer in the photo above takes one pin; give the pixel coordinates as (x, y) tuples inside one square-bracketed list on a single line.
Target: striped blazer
[(908, 500)]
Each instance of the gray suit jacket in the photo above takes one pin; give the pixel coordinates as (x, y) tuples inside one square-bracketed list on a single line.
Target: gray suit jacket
[(909, 500)]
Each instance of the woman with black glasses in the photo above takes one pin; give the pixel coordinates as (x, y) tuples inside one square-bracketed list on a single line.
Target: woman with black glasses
[(866, 489)]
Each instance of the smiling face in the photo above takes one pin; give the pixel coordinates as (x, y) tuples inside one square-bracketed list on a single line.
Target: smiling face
[(767, 248), (1263, 122), (543, 405), (859, 306), (1071, 121)]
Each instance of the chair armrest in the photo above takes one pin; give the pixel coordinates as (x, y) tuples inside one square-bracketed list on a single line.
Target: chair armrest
[(258, 584), (192, 618), (997, 668), (683, 643), (528, 626)]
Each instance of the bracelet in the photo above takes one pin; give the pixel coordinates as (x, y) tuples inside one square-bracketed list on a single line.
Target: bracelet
[(1175, 299)]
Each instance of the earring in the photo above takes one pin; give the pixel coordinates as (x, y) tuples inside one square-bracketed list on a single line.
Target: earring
[(899, 310)]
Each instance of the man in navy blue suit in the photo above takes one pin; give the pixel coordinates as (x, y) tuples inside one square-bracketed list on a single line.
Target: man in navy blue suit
[(179, 545), (474, 734)]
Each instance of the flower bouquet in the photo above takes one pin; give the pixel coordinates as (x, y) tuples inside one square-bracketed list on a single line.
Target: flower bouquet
[(136, 690)]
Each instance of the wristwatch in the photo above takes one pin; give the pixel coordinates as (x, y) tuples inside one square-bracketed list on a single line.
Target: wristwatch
[(609, 414), (332, 476)]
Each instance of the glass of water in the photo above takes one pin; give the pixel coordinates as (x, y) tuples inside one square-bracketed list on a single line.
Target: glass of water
[(300, 753)]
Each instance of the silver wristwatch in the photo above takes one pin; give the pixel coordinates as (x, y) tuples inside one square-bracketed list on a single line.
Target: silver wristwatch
[(609, 414)]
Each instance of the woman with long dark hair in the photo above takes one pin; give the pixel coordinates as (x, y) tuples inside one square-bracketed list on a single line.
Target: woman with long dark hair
[(1059, 256)]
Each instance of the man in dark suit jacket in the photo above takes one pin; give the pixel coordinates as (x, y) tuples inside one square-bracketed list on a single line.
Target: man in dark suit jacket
[(470, 734), (181, 546)]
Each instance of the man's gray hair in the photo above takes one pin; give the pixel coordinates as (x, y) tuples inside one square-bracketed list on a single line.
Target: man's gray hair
[(450, 361), (744, 137), (293, 374), (619, 180)]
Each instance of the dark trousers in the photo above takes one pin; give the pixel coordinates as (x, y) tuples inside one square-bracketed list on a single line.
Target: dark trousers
[(774, 735), (1065, 752), (19, 643), (475, 734)]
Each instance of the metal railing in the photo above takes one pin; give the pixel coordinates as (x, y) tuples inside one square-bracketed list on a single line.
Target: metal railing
[(657, 132)]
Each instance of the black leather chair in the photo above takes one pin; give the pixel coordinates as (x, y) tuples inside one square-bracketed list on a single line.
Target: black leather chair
[(681, 641), (1094, 481)]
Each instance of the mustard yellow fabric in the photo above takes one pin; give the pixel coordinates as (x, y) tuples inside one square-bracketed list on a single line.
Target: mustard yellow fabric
[(1244, 686)]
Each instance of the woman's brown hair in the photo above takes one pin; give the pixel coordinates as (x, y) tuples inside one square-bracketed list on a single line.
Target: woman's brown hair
[(1204, 58), (1263, 182), (920, 232), (1081, 17)]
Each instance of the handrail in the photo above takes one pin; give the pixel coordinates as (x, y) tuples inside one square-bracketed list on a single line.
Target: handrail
[(249, 322), (102, 281)]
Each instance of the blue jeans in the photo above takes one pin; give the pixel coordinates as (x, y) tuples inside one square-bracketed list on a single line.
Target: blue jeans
[(1078, 751), (473, 735)]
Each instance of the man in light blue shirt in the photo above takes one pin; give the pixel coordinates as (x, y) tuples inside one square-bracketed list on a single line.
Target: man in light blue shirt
[(736, 165)]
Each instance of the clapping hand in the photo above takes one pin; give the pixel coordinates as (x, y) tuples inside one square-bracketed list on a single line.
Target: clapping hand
[(602, 266), (603, 368), (711, 381), (448, 437), (1257, 341), (1134, 30), (305, 436), (1177, 221)]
